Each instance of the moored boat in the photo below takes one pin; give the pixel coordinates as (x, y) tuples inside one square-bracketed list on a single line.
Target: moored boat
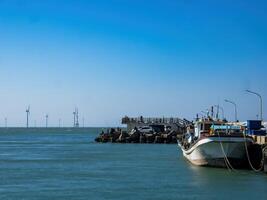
[(215, 143)]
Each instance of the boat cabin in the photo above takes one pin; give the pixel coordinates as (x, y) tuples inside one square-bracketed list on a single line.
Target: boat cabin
[(226, 129), (202, 126)]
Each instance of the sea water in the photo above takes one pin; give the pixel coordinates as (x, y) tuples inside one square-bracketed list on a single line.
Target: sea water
[(67, 164)]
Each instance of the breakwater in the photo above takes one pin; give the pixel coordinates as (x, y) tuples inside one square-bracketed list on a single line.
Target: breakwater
[(136, 136)]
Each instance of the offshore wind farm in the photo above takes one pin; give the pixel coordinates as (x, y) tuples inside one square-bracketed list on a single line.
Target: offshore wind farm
[(30, 123)]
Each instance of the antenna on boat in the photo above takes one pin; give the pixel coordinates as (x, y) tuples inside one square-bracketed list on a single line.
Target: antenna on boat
[(212, 113), (205, 113), (217, 113), (219, 108), (200, 114), (27, 113), (208, 112)]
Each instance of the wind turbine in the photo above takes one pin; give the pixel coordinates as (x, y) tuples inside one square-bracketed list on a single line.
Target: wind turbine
[(74, 117), (6, 122), (28, 113), (77, 118), (46, 120), (83, 122)]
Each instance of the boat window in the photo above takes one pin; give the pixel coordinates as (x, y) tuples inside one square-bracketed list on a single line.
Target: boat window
[(207, 127)]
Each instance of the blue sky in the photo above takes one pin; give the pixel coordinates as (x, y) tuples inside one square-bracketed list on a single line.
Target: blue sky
[(112, 58)]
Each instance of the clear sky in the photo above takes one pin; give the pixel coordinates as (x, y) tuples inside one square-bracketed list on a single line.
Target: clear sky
[(112, 58)]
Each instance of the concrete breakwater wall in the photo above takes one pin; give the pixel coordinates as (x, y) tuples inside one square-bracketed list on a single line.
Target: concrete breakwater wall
[(118, 136)]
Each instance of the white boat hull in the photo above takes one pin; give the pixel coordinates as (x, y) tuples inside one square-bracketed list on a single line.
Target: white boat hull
[(212, 151)]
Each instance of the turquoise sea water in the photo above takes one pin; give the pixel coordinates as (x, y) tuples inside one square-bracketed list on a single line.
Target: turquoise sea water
[(67, 164)]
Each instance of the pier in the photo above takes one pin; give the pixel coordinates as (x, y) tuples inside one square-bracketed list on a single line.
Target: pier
[(174, 123)]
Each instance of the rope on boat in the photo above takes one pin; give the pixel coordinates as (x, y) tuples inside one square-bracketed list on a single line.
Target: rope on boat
[(226, 160), (249, 161)]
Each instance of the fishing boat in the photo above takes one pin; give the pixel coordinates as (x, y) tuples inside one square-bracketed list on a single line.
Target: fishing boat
[(215, 143)]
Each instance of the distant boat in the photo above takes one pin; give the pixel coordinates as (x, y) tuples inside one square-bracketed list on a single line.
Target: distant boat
[(215, 143)]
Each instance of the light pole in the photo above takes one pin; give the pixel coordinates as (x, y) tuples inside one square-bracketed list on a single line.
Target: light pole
[(257, 94), (231, 102)]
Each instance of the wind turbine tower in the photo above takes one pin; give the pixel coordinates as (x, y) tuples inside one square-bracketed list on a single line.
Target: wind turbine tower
[(83, 122), (74, 117), (28, 113), (46, 120), (77, 118)]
